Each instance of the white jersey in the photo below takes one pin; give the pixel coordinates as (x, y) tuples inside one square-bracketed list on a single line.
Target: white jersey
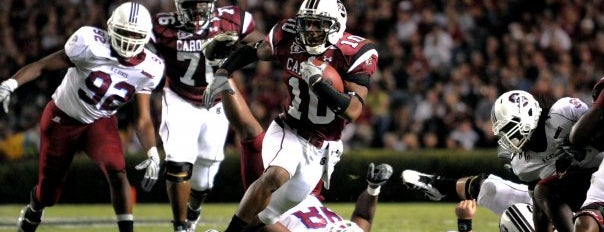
[(99, 84), (309, 215), (532, 165)]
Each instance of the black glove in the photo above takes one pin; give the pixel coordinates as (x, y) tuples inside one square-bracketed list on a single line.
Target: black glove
[(565, 147), (567, 153), (378, 175)]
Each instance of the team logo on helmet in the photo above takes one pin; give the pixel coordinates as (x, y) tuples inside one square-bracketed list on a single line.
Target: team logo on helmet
[(518, 99)]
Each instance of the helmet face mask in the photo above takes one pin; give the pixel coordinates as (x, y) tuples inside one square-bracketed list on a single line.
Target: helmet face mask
[(129, 29), (195, 14), (515, 116), (313, 30), (320, 24)]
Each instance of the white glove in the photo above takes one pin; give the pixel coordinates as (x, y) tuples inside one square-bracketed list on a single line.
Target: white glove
[(215, 87), (6, 88), (152, 166), (334, 152), (310, 72)]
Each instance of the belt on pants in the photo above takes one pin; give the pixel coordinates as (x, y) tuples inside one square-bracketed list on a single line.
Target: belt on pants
[(308, 136)]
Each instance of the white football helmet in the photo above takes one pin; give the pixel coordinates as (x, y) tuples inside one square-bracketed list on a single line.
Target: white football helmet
[(344, 226), (319, 23), (129, 29), (515, 116), (517, 218), (195, 14)]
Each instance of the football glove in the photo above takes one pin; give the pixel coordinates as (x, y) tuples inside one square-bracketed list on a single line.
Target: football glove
[(219, 47), (310, 72), (215, 87), (567, 153), (151, 165), (378, 175), (6, 89)]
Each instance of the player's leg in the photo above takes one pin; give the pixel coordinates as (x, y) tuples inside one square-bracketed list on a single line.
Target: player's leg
[(498, 194), (589, 218), (210, 152), (57, 148), (292, 192), (548, 200), (179, 133), (301, 160), (104, 146), (277, 142), (249, 130)]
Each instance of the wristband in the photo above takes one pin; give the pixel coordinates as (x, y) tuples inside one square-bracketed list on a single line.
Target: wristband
[(374, 191), (152, 152), (11, 84), (464, 225), (336, 101)]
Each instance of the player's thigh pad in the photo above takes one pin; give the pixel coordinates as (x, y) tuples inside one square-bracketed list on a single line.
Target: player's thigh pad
[(281, 147), (213, 133), (498, 194), (181, 127)]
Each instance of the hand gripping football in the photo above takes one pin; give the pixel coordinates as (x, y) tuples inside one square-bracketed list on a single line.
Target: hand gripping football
[(331, 75)]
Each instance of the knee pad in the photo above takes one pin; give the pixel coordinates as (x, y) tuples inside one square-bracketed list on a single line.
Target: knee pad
[(472, 186), (593, 210), (178, 172)]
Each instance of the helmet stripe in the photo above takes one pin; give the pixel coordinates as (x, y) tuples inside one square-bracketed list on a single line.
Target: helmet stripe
[(133, 13), (312, 4), (518, 220)]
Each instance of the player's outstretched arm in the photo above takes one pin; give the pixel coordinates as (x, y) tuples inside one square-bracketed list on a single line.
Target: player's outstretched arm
[(54, 61), (145, 131), (366, 204)]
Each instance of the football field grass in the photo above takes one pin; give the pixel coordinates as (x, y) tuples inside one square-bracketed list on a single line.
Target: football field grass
[(390, 217)]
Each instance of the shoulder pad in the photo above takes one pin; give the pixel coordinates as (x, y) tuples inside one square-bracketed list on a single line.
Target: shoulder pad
[(86, 42), (571, 108)]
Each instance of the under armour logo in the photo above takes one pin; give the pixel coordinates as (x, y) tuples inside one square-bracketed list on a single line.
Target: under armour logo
[(218, 110), (56, 119)]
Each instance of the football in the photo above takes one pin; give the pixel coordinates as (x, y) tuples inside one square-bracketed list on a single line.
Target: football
[(331, 75)]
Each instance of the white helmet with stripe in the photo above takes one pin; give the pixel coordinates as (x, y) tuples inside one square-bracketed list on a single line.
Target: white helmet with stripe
[(517, 218), (320, 22), (129, 29)]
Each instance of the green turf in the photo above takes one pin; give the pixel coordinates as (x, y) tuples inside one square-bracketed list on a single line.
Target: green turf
[(420, 217)]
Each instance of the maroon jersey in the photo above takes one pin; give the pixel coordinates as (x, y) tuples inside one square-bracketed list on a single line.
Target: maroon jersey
[(352, 55), (187, 72)]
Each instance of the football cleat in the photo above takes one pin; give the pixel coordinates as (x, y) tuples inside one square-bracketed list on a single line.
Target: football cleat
[(29, 219), (421, 181), (192, 217)]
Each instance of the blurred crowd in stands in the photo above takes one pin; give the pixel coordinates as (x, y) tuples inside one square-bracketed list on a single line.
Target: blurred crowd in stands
[(442, 63)]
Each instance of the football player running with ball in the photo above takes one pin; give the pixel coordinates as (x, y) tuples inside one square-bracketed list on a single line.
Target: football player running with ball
[(302, 145), (105, 70), (192, 40)]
